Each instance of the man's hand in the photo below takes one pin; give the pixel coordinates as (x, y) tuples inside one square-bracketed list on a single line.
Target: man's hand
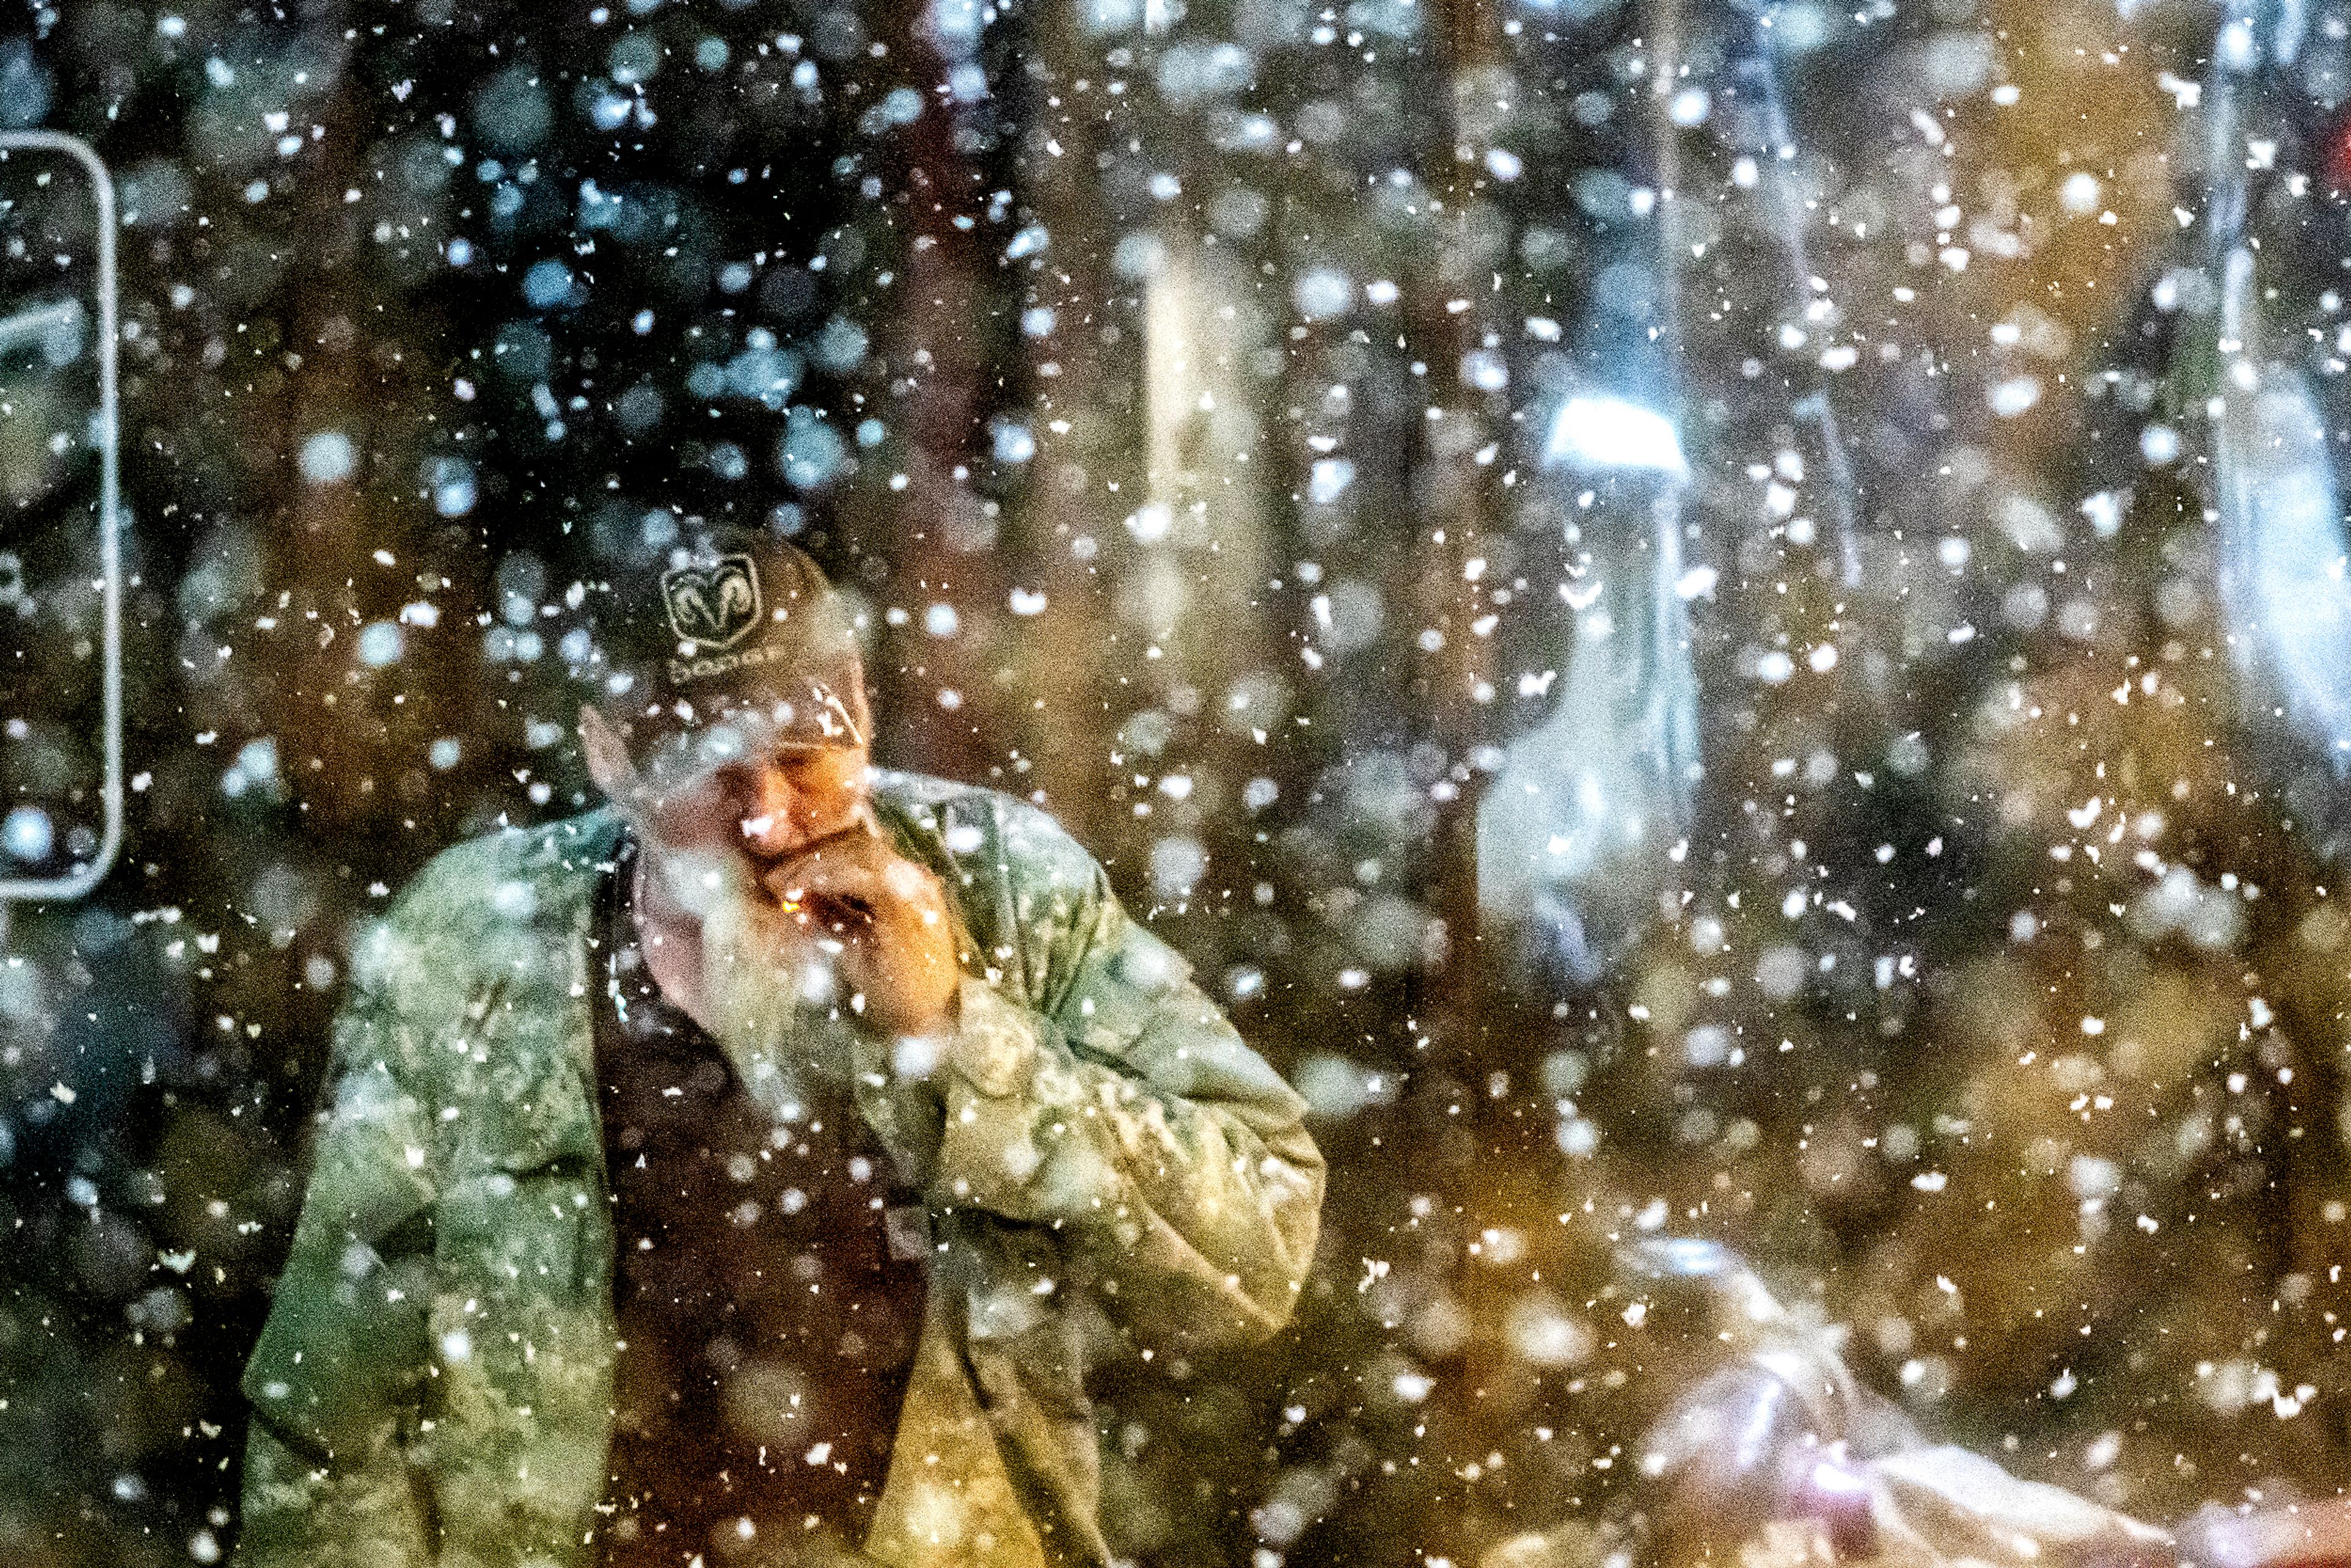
[(890, 916)]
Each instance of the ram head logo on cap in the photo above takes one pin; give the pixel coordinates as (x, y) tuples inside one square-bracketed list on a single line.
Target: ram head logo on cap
[(713, 606)]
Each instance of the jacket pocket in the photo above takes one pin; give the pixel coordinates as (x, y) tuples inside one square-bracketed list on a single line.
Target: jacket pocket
[(527, 1235)]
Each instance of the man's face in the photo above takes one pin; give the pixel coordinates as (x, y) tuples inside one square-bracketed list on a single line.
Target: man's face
[(768, 808)]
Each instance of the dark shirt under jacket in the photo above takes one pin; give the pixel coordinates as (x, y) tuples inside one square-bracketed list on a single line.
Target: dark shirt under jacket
[(767, 1331)]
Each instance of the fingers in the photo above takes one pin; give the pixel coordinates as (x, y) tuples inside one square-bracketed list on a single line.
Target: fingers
[(888, 887), (818, 876), (844, 898), (875, 922)]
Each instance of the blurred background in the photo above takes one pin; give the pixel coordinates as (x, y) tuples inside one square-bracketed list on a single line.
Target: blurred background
[(1706, 617)]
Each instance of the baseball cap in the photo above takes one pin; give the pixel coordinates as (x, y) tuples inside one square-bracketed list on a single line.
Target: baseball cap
[(726, 641)]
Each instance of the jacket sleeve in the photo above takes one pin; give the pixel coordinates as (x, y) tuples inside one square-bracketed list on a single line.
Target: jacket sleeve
[(1097, 1091), (333, 1382)]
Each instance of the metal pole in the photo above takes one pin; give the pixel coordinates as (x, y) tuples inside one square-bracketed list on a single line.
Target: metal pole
[(80, 880)]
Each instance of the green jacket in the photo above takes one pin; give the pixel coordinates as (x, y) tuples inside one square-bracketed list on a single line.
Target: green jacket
[(434, 1381)]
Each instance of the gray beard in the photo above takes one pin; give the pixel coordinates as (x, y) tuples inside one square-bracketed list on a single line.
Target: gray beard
[(768, 990)]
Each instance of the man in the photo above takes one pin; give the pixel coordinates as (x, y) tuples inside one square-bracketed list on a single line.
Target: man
[(736, 1173)]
